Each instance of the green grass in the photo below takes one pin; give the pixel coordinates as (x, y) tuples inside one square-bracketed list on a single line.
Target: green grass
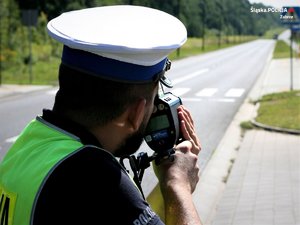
[(44, 66), (43, 73), (280, 110), (282, 50)]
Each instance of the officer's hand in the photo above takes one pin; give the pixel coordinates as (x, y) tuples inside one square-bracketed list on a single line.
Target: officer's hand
[(181, 175), (187, 129)]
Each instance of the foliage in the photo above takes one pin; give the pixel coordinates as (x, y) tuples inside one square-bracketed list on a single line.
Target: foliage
[(212, 20)]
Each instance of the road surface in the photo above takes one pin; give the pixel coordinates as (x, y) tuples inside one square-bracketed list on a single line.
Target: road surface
[(212, 86)]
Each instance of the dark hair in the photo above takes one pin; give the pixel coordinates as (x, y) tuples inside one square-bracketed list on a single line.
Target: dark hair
[(91, 100)]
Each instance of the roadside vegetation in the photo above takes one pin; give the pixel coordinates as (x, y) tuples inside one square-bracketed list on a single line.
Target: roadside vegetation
[(282, 50), (280, 110), (29, 55)]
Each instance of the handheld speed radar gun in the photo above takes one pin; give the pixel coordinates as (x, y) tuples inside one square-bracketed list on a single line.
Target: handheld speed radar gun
[(163, 131)]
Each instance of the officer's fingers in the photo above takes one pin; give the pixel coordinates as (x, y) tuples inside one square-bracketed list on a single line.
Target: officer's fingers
[(184, 130), (191, 137), (187, 114), (188, 124)]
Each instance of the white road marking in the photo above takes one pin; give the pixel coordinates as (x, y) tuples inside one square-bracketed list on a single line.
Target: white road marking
[(207, 92), (190, 76), (226, 100), (223, 100), (52, 92), (180, 91), (191, 99), (235, 92), (12, 139)]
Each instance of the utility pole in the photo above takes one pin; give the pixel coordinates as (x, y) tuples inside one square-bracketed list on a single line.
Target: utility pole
[(178, 16), (291, 17), (29, 19), (203, 17), (291, 56)]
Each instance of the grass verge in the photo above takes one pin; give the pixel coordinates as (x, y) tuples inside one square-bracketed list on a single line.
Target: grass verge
[(280, 110), (282, 50)]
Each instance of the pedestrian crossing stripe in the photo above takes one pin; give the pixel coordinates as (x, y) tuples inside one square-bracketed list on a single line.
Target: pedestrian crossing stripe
[(227, 96), (207, 92), (226, 100), (235, 92), (180, 91)]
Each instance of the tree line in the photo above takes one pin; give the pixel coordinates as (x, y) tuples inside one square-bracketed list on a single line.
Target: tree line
[(227, 16), (201, 17)]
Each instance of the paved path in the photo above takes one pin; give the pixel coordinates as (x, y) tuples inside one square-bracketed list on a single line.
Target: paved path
[(264, 185)]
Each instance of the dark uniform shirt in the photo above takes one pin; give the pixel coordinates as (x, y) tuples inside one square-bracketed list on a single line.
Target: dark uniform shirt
[(90, 187)]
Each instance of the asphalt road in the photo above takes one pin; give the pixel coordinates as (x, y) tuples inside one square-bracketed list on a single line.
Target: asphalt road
[(212, 86), (17, 110)]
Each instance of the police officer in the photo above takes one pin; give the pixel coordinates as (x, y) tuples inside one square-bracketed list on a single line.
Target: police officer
[(63, 169)]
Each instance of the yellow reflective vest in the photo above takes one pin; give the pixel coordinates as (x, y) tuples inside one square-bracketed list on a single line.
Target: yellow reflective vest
[(38, 150)]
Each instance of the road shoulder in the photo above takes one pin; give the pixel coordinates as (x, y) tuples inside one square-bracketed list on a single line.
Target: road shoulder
[(7, 90)]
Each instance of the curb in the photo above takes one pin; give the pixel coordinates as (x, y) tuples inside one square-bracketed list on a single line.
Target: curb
[(276, 129)]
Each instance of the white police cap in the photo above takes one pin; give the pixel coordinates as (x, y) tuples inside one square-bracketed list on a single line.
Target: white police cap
[(125, 43)]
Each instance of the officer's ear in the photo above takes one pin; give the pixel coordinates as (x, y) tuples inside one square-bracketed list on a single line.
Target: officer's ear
[(136, 113)]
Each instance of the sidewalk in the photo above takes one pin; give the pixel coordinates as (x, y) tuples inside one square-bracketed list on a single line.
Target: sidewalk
[(263, 187), (254, 180)]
